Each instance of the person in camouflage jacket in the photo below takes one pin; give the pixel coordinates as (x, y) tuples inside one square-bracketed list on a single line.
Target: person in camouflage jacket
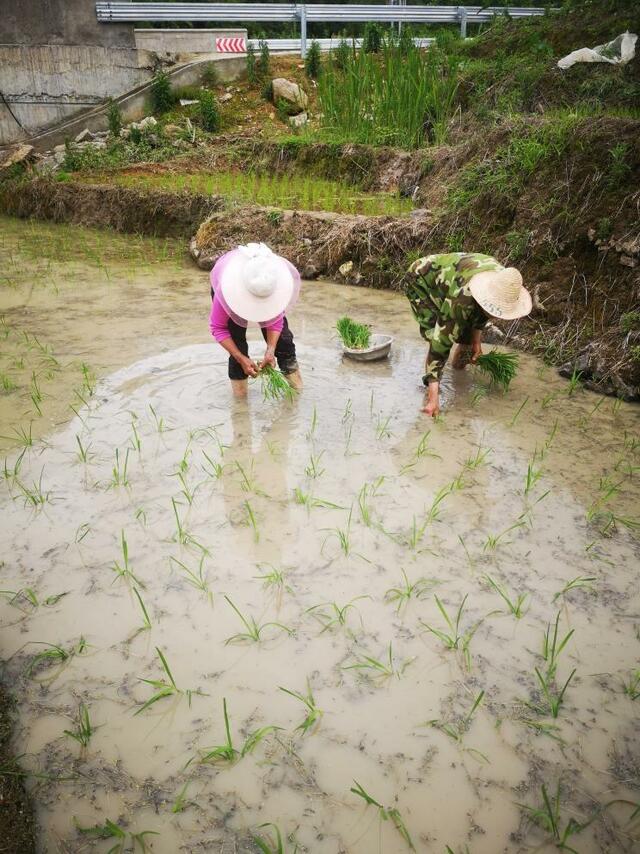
[(439, 289)]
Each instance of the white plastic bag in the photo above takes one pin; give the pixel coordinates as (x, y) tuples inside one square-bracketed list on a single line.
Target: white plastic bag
[(617, 52)]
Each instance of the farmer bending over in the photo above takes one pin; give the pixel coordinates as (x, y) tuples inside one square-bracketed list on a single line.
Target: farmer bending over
[(252, 283), (452, 297)]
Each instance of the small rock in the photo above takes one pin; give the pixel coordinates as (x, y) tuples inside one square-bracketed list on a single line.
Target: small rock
[(18, 154), (147, 123), (172, 130), (298, 121), (226, 97), (84, 135), (310, 271), (286, 90)]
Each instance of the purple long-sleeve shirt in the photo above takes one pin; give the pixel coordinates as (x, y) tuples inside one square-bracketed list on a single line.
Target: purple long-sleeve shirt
[(219, 317)]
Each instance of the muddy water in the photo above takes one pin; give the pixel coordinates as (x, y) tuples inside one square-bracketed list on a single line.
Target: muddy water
[(210, 487)]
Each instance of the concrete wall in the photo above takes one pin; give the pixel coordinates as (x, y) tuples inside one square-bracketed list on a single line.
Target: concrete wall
[(180, 45)]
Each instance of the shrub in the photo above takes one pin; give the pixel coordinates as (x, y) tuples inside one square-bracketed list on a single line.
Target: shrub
[(619, 169), (135, 135), (114, 118), (604, 228), (341, 55), (252, 68), (210, 75), (372, 39), (209, 115), (630, 321), (267, 91), (162, 98), (264, 61), (312, 65)]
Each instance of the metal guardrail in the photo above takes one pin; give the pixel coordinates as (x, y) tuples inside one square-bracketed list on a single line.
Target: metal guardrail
[(118, 11), (294, 45)]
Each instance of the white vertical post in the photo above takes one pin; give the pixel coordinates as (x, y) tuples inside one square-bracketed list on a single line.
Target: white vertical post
[(303, 29), (462, 16)]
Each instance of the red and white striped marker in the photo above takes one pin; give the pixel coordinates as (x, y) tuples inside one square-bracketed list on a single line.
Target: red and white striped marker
[(231, 45)]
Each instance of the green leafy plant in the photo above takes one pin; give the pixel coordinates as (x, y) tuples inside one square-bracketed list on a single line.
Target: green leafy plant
[(355, 336), (264, 60), (516, 606), (312, 63), (209, 113), (408, 590), (386, 813), (84, 729), (227, 752), (379, 668), (372, 40), (254, 630), (457, 729), (252, 66), (114, 119), (275, 385), (165, 687), (162, 98), (453, 637), (500, 367), (313, 714)]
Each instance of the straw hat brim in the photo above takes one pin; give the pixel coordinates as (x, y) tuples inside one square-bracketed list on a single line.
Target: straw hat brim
[(245, 304), (483, 290)]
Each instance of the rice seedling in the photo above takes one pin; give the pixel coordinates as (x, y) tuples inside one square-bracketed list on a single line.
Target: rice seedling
[(364, 506), (52, 655), (254, 630), (479, 394), (313, 468), (215, 470), (111, 830), (88, 379), (183, 536), (452, 637), (22, 437), (355, 336), (181, 803), (34, 496), (580, 581), (313, 713), (84, 729), (552, 646), (457, 729), (343, 536), (433, 513), (10, 474), (408, 590), (252, 520), (532, 476), (123, 568), (380, 668), (543, 728), (269, 845), (382, 428), (82, 532), (385, 813), (160, 426), (347, 444), (553, 696), (273, 579), (500, 367), (548, 399), (307, 500), (146, 619), (227, 752), (188, 492), (478, 459), (84, 451), (275, 385), (515, 606), (196, 578), (575, 382), (492, 542), (136, 441), (632, 686), (165, 687), (518, 411), (119, 475), (330, 614)]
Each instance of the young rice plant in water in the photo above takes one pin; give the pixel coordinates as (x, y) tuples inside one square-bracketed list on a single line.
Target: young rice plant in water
[(355, 336)]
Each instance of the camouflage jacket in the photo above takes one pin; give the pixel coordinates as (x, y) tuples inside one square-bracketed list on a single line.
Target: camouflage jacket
[(437, 288)]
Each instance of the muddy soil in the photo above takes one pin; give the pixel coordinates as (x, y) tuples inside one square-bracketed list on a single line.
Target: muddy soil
[(333, 522)]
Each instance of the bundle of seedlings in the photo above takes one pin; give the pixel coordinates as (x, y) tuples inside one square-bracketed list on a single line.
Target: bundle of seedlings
[(500, 367), (275, 385), (355, 336)]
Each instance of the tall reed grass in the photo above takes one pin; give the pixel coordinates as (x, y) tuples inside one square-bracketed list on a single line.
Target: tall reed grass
[(401, 96)]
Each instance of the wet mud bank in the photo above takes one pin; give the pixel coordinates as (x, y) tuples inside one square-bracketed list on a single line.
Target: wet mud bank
[(586, 317), (17, 823)]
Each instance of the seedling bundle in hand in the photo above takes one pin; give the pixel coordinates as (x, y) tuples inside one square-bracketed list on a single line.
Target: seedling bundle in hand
[(501, 367), (275, 385), (355, 336)]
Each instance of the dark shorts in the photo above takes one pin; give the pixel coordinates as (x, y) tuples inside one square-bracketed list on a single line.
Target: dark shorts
[(285, 350)]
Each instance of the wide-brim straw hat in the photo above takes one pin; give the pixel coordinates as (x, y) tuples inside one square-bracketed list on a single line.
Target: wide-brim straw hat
[(256, 284), (501, 293)]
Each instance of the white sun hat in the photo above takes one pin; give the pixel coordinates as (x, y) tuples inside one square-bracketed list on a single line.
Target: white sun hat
[(501, 293), (256, 284)]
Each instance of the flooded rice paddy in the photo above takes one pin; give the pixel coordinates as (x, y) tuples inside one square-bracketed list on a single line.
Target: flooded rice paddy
[(411, 627)]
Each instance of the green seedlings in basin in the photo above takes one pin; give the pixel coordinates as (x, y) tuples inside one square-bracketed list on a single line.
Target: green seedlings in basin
[(53, 654), (457, 729), (146, 619), (354, 336), (119, 476), (500, 367), (385, 813), (380, 669), (227, 752), (515, 606), (408, 590), (313, 469), (196, 578), (518, 411), (552, 646), (275, 385), (632, 687), (110, 830), (165, 687), (330, 614), (123, 569), (579, 581), (84, 729), (253, 633), (313, 713), (452, 637)]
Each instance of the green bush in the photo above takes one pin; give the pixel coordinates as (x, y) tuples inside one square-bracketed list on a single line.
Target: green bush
[(162, 98), (267, 91), (209, 115), (619, 169), (252, 66), (114, 118), (210, 75), (372, 39), (264, 61), (341, 55), (312, 64), (630, 321)]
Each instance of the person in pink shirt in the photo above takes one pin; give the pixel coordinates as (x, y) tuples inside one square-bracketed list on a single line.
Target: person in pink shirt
[(253, 284)]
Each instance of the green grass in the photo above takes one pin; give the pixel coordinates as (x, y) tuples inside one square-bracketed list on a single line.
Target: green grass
[(227, 752)]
